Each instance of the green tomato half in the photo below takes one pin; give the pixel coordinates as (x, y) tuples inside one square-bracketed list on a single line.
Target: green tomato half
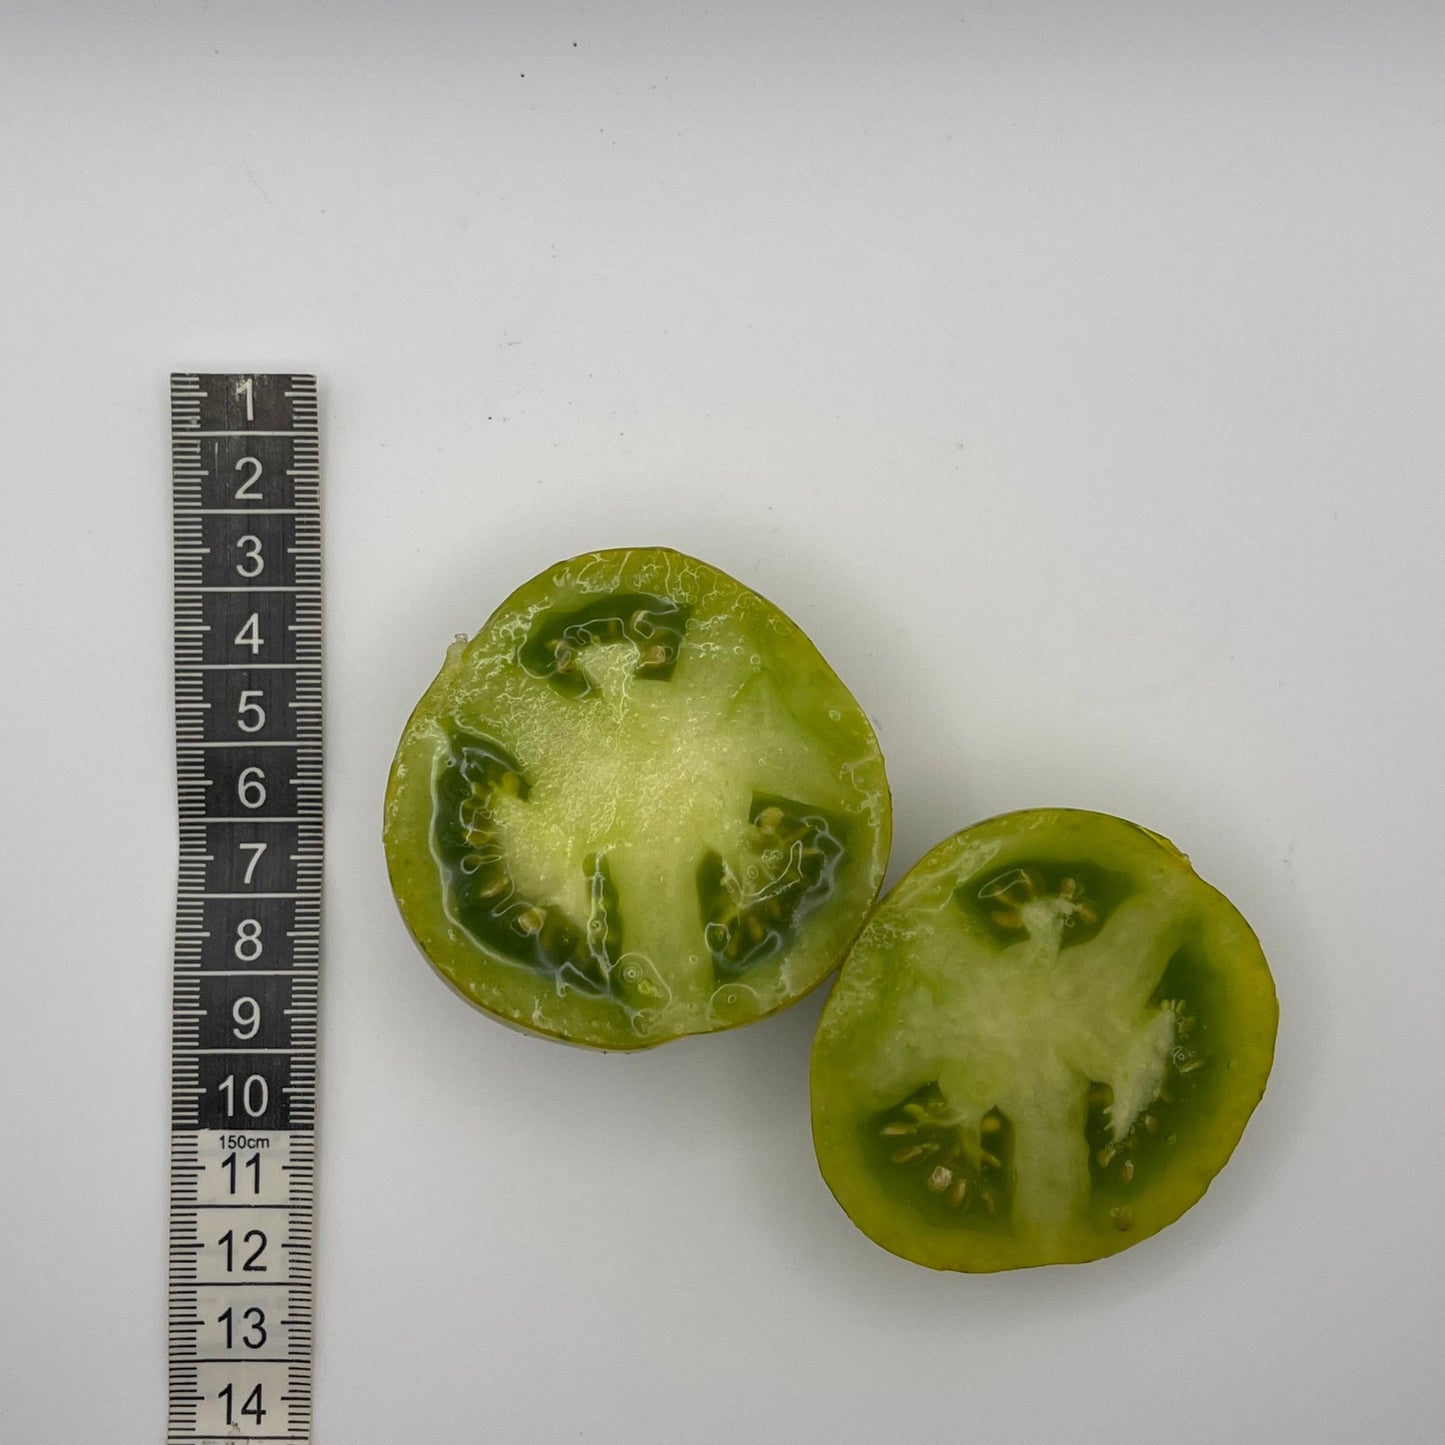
[(638, 804), (1043, 1046)]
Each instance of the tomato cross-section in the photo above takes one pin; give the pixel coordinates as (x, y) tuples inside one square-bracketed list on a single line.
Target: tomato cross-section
[(638, 804), (1042, 1047)]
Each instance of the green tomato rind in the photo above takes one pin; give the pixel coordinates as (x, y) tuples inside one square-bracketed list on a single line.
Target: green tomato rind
[(637, 804), (1015, 1068)]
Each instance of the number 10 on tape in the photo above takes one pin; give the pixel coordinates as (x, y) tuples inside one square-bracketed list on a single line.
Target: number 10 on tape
[(245, 506)]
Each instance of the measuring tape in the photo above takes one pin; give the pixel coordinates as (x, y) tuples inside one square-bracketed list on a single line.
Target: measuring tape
[(245, 503)]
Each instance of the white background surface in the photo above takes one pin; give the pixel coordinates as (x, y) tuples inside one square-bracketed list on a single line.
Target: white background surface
[(1071, 373)]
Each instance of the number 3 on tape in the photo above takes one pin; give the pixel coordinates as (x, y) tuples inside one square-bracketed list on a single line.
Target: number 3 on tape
[(245, 504)]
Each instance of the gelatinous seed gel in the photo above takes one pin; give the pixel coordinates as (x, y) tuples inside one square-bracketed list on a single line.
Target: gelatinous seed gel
[(1043, 1046), (638, 804)]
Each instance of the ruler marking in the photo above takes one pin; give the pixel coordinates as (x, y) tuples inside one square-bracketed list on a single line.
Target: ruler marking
[(241, 1283), (238, 818), (222, 1053), (242, 1360), (259, 743), (246, 972), (193, 893), (301, 1208)]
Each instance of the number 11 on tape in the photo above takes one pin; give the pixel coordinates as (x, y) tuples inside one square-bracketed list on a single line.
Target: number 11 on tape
[(246, 513)]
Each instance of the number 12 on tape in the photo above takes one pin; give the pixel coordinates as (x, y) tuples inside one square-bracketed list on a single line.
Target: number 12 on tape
[(246, 514)]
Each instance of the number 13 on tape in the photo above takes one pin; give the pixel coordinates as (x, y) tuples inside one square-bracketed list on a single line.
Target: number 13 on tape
[(245, 505)]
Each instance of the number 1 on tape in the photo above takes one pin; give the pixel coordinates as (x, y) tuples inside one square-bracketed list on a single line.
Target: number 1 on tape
[(245, 505)]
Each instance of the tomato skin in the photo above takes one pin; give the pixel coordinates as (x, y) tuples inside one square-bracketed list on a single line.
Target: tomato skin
[(1043, 1046), (637, 804)]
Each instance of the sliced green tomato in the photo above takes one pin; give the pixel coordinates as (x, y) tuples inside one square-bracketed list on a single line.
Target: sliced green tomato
[(1043, 1046), (638, 804)]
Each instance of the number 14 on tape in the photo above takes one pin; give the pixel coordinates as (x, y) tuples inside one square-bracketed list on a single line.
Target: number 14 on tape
[(247, 589)]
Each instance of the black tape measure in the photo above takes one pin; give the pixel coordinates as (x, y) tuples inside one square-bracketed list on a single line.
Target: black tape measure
[(245, 487)]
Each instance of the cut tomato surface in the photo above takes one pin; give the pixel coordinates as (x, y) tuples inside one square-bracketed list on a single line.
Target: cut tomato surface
[(1044, 1044), (638, 804)]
